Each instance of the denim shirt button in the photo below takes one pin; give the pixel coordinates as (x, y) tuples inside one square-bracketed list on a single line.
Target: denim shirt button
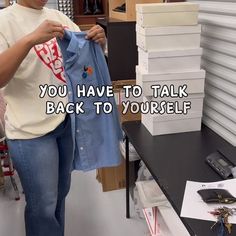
[(81, 148)]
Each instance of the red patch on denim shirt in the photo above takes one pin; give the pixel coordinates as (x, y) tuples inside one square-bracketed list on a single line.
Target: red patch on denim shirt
[(51, 56)]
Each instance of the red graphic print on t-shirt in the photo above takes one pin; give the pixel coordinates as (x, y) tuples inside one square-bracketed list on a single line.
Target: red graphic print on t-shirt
[(51, 56)]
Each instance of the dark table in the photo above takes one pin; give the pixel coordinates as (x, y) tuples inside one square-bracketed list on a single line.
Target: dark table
[(172, 160)]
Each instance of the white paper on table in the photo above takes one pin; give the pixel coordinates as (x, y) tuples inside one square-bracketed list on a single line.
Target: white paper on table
[(193, 205)]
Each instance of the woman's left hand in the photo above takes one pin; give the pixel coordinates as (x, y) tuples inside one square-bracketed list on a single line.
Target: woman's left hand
[(97, 34)]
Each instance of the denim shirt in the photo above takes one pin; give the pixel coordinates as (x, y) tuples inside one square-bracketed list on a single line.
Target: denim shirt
[(96, 136)]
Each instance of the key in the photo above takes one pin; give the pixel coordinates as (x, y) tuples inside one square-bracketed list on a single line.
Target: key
[(214, 225), (228, 227), (221, 231), (223, 214), (227, 224), (217, 221)]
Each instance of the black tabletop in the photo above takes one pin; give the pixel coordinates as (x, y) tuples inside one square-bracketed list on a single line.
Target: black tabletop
[(173, 159)]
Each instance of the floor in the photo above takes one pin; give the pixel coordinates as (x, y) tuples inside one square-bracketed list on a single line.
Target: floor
[(89, 211)]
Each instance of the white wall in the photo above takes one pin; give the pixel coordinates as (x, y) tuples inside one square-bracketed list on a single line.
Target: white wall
[(218, 19)]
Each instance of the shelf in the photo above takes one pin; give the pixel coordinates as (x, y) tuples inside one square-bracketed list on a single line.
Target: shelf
[(87, 20), (92, 16), (84, 20), (130, 14)]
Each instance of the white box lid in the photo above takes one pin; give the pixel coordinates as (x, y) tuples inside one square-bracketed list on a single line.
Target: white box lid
[(171, 76), (192, 114), (189, 97), (172, 53), (170, 30), (167, 7), (174, 117)]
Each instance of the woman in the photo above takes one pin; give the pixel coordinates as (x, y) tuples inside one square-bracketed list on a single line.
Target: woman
[(40, 144)]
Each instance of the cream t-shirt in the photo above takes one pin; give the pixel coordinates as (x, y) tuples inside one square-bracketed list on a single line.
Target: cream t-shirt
[(25, 115)]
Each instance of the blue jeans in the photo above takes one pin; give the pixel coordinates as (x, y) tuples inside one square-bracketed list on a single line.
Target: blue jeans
[(44, 166)]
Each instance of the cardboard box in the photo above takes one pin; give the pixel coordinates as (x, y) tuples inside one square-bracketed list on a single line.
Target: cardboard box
[(130, 14), (112, 178), (171, 14), (128, 116), (119, 93)]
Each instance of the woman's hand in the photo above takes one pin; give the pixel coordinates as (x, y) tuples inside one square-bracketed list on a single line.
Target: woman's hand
[(97, 34), (46, 31)]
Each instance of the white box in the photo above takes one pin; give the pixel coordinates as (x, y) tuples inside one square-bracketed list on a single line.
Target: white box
[(168, 38), (156, 127), (195, 81), (170, 61), (195, 110), (175, 123), (167, 14)]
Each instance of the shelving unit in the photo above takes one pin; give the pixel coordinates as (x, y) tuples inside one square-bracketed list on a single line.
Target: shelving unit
[(129, 15), (86, 21)]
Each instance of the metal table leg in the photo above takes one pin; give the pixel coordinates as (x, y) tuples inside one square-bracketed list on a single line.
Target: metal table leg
[(127, 176)]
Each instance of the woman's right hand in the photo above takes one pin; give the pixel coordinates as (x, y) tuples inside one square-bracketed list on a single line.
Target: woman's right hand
[(46, 31)]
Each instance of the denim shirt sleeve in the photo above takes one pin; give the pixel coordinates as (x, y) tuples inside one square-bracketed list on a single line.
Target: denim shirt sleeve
[(96, 136)]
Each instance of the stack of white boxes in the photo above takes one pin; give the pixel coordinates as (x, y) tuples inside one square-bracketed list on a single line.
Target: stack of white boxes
[(168, 39)]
